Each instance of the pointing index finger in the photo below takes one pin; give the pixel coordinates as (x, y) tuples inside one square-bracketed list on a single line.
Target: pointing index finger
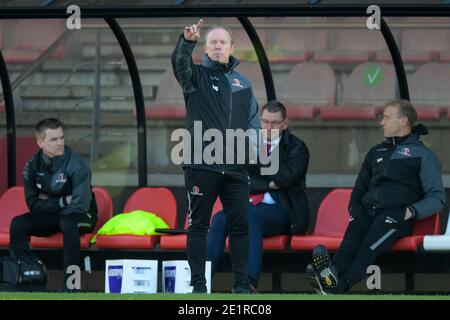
[(200, 23)]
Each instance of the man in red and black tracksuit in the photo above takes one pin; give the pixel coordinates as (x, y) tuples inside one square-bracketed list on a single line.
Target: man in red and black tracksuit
[(217, 98), (400, 182)]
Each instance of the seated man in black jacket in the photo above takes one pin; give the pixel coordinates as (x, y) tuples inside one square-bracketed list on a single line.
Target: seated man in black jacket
[(400, 181), (58, 193), (278, 203)]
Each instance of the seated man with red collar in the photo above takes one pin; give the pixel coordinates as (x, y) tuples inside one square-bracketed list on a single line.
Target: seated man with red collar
[(278, 203)]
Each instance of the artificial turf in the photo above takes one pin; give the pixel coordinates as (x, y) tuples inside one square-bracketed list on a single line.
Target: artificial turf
[(215, 296)]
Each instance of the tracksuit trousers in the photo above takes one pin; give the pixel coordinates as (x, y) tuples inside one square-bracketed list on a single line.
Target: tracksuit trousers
[(203, 187), (369, 234)]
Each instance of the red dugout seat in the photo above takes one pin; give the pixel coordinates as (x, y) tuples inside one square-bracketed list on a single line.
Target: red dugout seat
[(174, 242), (12, 204), (157, 200), (274, 243), (178, 242), (332, 221), (105, 210), (428, 226)]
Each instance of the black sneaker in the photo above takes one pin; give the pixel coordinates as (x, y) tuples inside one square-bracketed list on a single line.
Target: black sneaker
[(253, 289), (325, 269), (242, 290), (200, 289), (314, 279)]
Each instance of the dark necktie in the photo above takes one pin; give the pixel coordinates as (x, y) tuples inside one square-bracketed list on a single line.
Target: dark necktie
[(268, 147)]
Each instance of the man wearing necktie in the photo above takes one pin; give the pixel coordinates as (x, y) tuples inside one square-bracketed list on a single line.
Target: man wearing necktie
[(278, 203)]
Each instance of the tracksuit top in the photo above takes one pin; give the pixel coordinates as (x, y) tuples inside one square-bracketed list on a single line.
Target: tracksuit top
[(216, 95), (400, 172), (58, 177)]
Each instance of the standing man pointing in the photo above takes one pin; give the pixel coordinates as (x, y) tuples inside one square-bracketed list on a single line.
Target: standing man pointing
[(217, 97)]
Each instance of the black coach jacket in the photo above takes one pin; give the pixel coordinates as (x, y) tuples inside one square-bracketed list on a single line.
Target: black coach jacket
[(400, 172), (218, 98)]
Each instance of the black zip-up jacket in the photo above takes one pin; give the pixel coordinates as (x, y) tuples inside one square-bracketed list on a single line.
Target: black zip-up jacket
[(216, 95), (291, 177), (400, 172), (57, 178)]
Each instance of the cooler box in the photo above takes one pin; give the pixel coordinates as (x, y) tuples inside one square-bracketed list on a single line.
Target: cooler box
[(176, 276), (131, 276)]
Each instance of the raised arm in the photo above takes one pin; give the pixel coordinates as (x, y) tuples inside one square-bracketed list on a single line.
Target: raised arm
[(183, 67)]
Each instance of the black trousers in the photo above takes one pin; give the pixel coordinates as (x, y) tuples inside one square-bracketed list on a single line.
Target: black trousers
[(32, 224), (369, 234), (203, 187)]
